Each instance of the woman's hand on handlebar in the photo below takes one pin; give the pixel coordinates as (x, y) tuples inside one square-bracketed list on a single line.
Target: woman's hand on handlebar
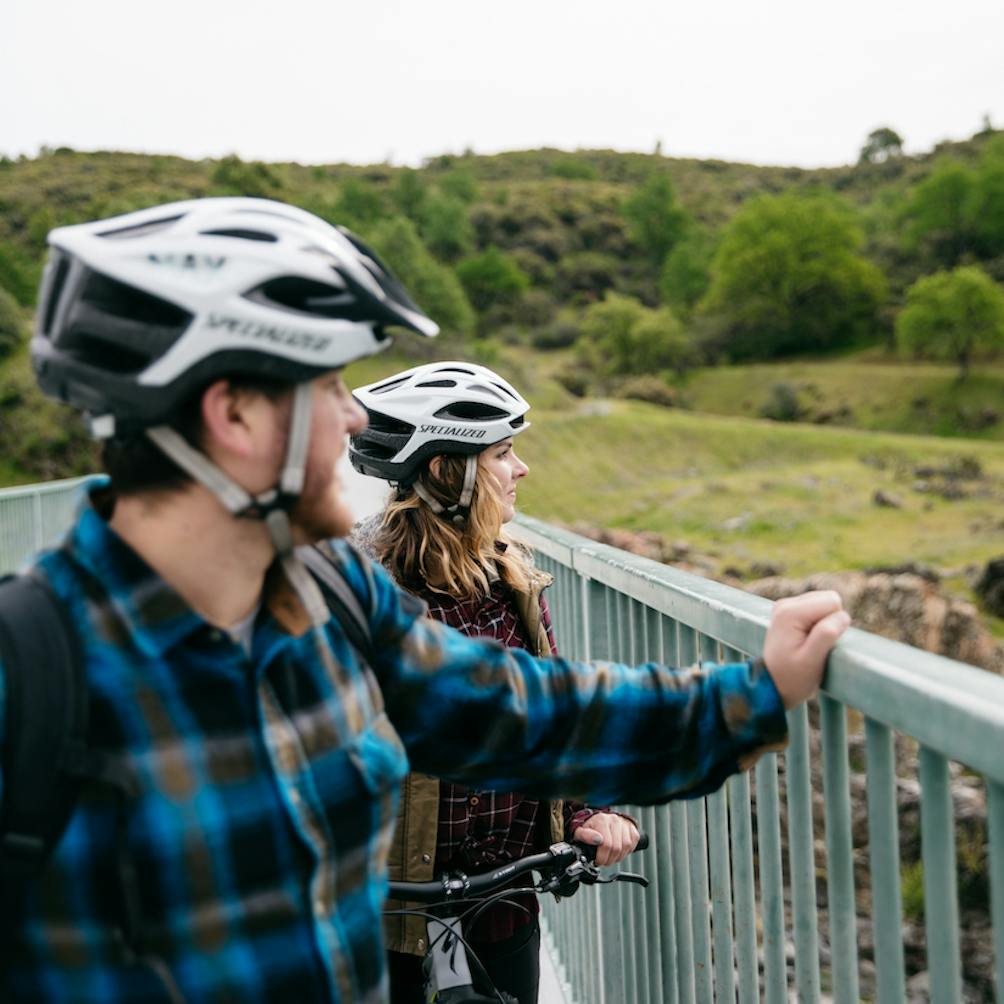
[(613, 836)]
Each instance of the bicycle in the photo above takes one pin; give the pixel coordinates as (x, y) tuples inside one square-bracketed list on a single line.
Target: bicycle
[(455, 898)]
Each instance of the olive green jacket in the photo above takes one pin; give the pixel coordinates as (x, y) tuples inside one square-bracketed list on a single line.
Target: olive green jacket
[(413, 849)]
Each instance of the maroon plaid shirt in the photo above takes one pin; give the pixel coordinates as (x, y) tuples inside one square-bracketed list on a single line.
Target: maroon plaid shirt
[(481, 829)]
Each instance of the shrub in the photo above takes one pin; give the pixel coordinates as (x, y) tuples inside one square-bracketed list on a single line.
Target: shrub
[(952, 315), (782, 404), (12, 326), (648, 388)]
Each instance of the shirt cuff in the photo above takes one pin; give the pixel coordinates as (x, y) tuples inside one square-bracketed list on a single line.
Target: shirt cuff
[(753, 711)]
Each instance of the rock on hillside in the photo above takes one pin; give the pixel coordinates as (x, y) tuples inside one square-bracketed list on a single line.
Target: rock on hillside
[(905, 604), (905, 607)]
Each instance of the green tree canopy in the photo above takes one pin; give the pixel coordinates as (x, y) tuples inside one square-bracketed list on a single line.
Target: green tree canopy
[(233, 176), (360, 204), (881, 145), (410, 193), (655, 220), (938, 213), (686, 271), (445, 227), (625, 337), (985, 209), (12, 326), (492, 278), (788, 277), (952, 315), (434, 286)]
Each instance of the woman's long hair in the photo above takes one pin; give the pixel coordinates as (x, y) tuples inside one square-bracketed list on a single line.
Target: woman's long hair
[(426, 552)]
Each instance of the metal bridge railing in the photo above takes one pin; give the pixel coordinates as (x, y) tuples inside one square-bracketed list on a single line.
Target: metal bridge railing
[(33, 516), (732, 910)]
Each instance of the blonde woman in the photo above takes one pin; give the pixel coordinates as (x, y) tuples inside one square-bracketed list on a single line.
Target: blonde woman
[(443, 434)]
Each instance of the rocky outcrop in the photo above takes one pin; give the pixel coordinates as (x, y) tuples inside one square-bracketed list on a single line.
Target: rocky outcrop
[(905, 607)]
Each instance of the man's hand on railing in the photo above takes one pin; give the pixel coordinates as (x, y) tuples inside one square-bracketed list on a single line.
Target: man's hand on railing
[(802, 631)]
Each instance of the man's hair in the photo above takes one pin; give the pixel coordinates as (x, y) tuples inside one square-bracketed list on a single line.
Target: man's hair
[(136, 465), (424, 551)]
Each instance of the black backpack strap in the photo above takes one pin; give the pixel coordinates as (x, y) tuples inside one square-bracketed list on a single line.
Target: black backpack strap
[(45, 723), (342, 601)]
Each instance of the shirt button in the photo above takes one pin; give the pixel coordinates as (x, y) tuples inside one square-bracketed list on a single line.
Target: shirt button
[(426, 859), (295, 798), (215, 636), (319, 908), (420, 944), (475, 800)]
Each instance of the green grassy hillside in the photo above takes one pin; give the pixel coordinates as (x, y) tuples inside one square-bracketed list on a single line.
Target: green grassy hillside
[(870, 391)]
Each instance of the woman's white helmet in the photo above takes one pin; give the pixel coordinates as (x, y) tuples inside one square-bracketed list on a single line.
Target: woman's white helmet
[(440, 408)]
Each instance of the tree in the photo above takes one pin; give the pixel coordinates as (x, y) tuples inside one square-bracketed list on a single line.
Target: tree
[(234, 177), (359, 204), (655, 219), (686, 271), (410, 194), (624, 337), (952, 315), (881, 145), (938, 213), (492, 278), (12, 325), (445, 227), (788, 277), (985, 207), (435, 288)]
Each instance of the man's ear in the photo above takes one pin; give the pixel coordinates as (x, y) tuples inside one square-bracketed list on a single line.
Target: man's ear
[(230, 419), (435, 466)]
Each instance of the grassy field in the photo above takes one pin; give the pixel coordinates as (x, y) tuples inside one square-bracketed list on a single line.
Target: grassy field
[(750, 490), (869, 391)]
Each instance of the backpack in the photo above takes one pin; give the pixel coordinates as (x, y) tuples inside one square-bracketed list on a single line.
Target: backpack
[(44, 758)]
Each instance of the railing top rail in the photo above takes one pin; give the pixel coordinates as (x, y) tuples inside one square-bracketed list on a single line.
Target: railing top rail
[(948, 706), (44, 488)]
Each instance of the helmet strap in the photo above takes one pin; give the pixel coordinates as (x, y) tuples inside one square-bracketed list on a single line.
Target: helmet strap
[(459, 513), (272, 506)]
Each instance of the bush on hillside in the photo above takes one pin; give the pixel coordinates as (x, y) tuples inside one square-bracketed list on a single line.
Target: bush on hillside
[(623, 337), (952, 315), (492, 278), (434, 286), (233, 176), (12, 326)]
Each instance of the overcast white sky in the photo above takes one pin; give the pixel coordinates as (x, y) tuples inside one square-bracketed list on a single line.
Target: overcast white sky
[(320, 81)]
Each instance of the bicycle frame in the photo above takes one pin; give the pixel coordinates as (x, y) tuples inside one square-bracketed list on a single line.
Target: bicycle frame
[(455, 897)]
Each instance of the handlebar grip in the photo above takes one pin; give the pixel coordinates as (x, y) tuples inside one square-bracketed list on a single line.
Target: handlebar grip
[(642, 844)]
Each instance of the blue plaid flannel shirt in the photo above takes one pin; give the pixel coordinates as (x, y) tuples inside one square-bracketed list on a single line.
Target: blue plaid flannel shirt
[(268, 785)]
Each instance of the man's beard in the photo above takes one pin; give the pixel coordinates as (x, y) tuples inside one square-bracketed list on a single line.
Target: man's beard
[(322, 511)]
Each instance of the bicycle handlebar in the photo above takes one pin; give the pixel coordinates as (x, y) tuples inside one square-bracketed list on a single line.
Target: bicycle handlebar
[(457, 885)]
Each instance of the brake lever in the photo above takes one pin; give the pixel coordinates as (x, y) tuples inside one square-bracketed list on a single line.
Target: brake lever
[(630, 877)]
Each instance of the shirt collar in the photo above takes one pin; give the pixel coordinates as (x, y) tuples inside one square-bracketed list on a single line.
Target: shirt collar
[(153, 612)]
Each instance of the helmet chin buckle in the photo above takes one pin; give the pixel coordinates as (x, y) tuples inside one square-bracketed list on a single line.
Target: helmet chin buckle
[(101, 426)]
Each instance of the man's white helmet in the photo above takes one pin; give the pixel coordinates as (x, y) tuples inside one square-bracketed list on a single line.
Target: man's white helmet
[(139, 311), (450, 407)]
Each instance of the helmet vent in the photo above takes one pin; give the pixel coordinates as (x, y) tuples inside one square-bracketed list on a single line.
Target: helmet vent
[(486, 390), (140, 229), (119, 300), (471, 411), (306, 296), (55, 290), (247, 235), (113, 358), (437, 383), (390, 385)]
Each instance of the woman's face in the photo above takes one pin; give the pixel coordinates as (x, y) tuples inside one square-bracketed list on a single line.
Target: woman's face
[(506, 468)]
